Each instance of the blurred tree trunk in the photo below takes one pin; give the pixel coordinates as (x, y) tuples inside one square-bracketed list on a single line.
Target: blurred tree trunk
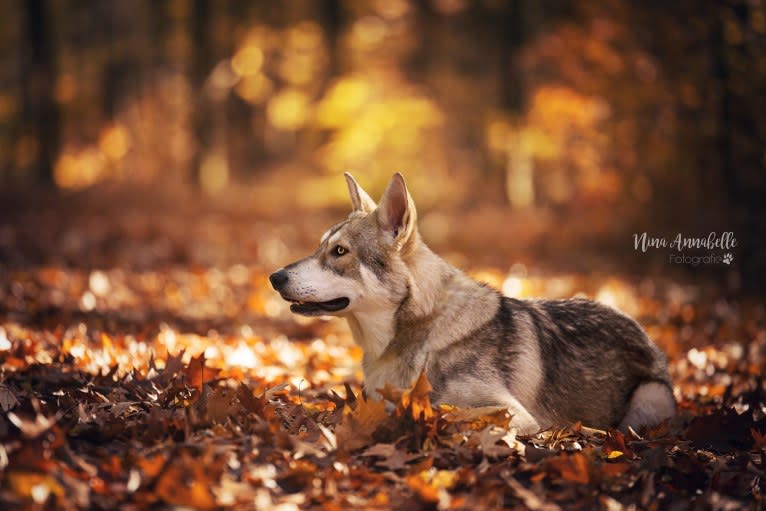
[(331, 16), (122, 73), (38, 81), (741, 144), (519, 18), (202, 64)]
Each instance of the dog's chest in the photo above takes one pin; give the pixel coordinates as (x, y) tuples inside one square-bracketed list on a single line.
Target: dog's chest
[(388, 370)]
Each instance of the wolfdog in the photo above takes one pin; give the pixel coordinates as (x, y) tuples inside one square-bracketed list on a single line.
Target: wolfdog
[(550, 362)]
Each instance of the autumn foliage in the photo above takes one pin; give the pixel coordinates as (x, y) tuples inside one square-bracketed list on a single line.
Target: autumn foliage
[(145, 362)]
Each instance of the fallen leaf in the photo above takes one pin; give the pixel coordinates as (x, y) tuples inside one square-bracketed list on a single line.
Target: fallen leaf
[(614, 445), (480, 418), (219, 404), (185, 483), (297, 477), (418, 398), (7, 398), (391, 458), (612, 470), (152, 465), (759, 439), (35, 486), (570, 467), (423, 488), (444, 479), (32, 428), (497, 442), (357, 427), (530, 499), (197, 373)]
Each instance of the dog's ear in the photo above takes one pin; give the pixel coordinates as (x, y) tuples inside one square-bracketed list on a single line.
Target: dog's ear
[(396, 212), (359, 198)]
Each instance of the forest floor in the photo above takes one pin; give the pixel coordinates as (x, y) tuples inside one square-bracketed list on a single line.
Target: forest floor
[(145, 362)]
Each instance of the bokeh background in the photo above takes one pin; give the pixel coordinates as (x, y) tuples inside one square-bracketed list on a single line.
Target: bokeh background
[(160, 158), (532, 132)]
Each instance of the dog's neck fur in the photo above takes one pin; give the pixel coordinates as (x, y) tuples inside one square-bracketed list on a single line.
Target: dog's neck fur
[(426, 275), (430, 280), (373, 330)]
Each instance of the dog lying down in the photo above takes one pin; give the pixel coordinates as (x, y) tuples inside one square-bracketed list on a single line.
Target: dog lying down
[(550, 362)]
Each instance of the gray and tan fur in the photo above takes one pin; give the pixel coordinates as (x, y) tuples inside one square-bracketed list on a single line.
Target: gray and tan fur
[(550, 362)]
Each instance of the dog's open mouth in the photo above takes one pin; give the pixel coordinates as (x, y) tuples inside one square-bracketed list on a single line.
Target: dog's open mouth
[(318, 308)]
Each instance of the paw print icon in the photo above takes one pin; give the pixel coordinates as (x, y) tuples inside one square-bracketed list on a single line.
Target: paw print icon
[(728, 258)]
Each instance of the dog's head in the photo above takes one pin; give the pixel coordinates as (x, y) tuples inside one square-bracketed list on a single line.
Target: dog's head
[(359, 265)]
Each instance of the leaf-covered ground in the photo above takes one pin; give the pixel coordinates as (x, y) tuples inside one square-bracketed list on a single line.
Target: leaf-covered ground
[(145, 362)]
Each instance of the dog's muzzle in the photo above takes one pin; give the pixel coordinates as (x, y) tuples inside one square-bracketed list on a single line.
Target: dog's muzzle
[(279, 280)]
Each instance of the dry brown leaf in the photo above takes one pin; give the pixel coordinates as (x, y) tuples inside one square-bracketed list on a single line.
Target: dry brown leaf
[(220, 404), (614, 443), (7, 398), (184, 483), (197, 373), (489, 438), (357, 427), (391, 457), (530, 499), (612, 470), (571, 467), (480, 418), (759, 439)]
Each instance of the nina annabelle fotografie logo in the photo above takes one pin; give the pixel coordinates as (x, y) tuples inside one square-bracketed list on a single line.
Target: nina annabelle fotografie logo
[(710, 249)]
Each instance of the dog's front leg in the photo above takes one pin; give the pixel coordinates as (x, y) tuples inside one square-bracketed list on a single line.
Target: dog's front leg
[(473, 392), (520, 417)]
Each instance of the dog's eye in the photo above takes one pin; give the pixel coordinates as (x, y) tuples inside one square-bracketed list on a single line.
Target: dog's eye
[(339, 251)]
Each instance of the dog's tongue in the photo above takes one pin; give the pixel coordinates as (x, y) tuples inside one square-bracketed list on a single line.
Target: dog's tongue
[(319, 307)]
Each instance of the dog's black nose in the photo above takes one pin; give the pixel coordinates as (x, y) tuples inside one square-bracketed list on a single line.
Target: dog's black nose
[(278, 279)]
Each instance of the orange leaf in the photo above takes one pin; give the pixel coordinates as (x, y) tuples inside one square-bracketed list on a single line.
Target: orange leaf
[(151, 466), (418, 397), (427, 492), (612, 470), (358, 425), (573, 468), (34, 485), (479, 418), (197, 373), (184, 483)]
